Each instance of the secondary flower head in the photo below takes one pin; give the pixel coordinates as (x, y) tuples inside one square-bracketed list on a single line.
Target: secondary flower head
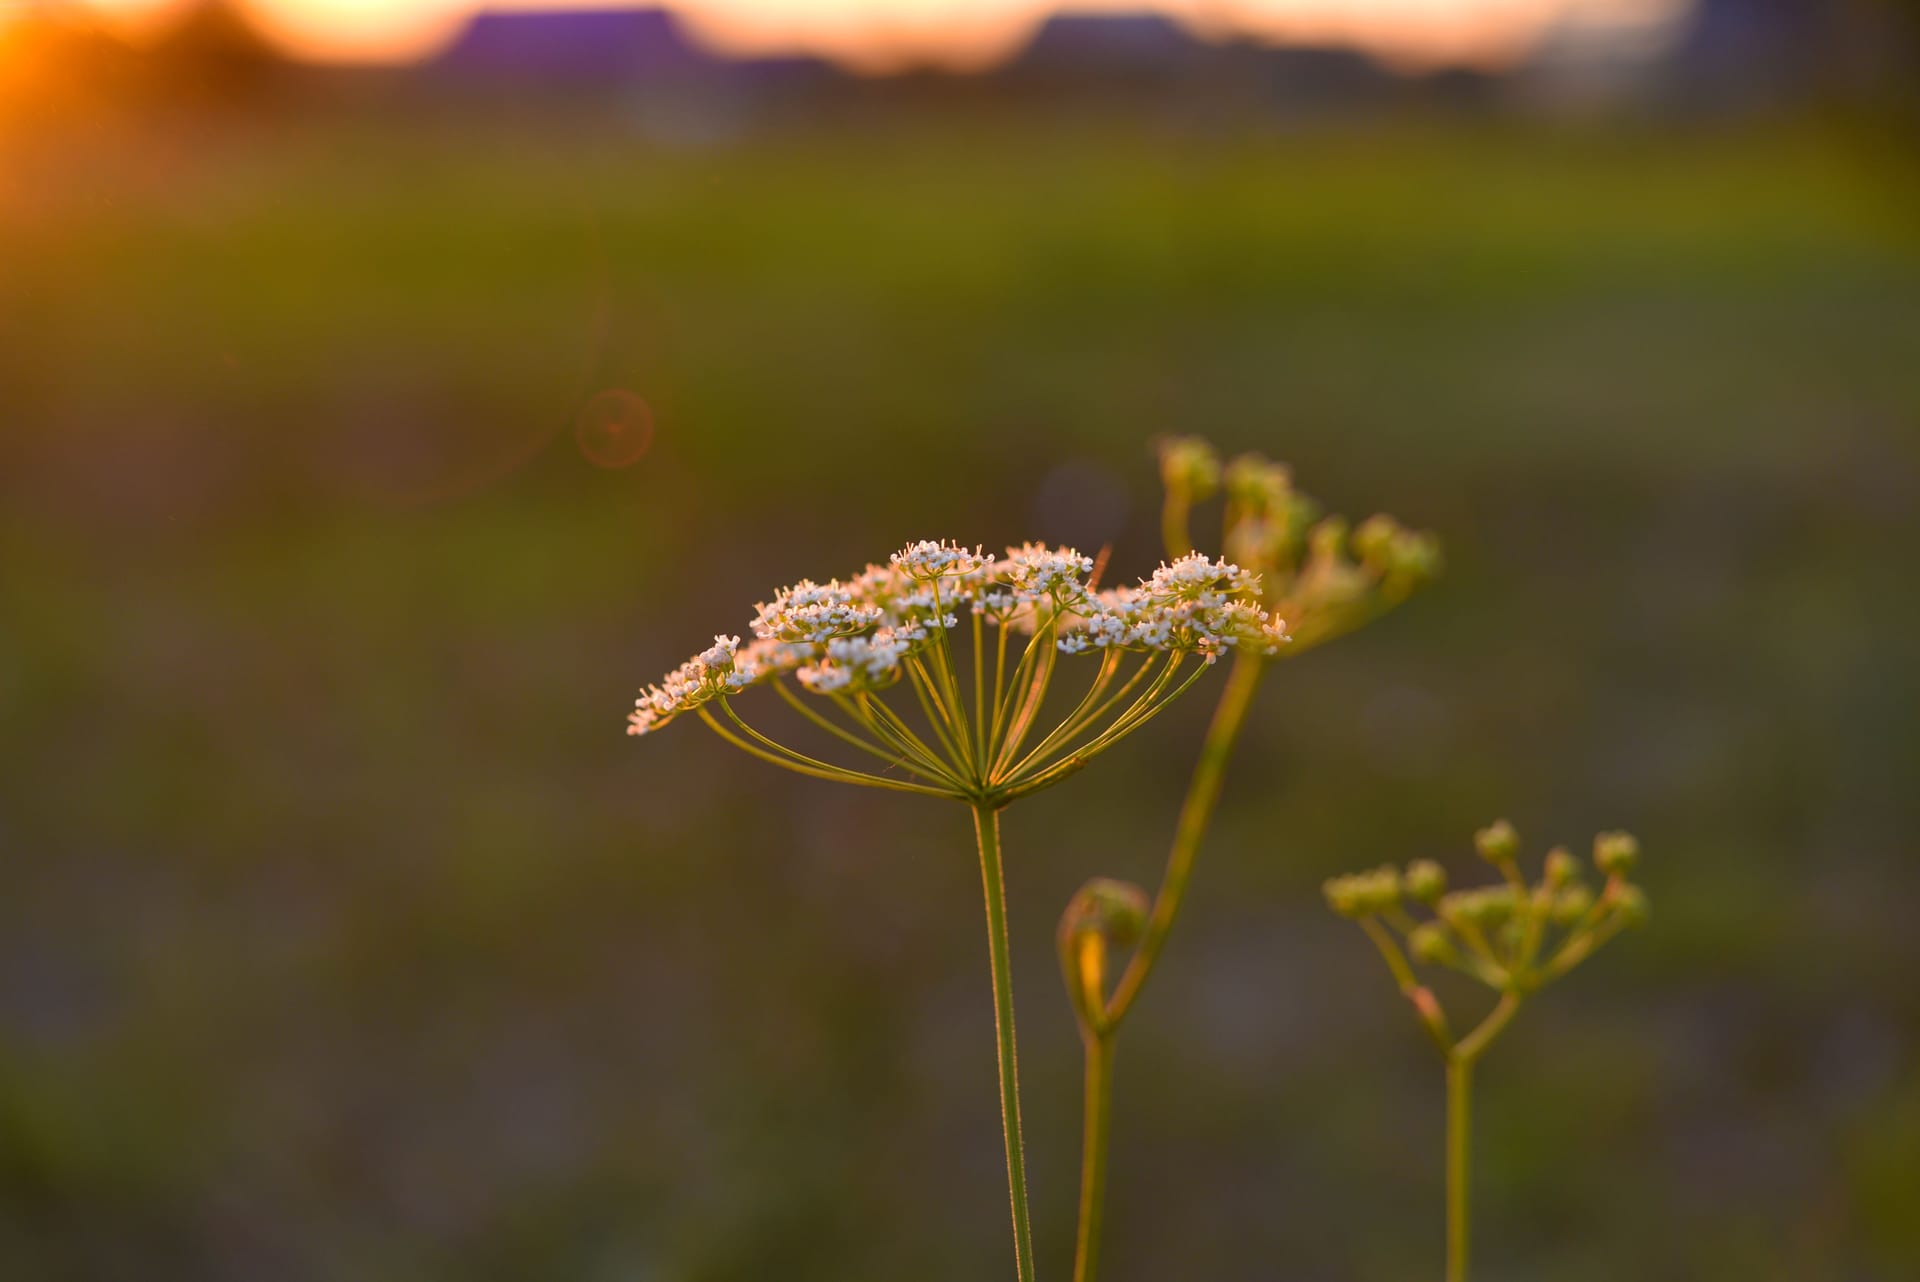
[(1191, 604), (1513, 936), (931, 561), (1041, 571), (890, 625), (810, 613), (1321, 579)]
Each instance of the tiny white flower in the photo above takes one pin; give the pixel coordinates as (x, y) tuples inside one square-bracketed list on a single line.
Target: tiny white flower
[(933, 560)]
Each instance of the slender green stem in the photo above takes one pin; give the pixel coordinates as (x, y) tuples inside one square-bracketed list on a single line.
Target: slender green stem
[(1203, 793), (885, 754), (888, 726), (999, 679), (1174, 531), (1065, 730), (1005, 698), (1093, 1152), (1129, 721), (1460, 1062), (1039, 676), (1473, 1044), (986, 826), (1150, 701), (979, 696), (1425, 1005), (935, 712), (806, 765), (1459, 1139)]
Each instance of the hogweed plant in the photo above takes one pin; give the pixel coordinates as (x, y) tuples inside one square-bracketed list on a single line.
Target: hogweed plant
[(1325, 581), (1512, 936), (938, 665)]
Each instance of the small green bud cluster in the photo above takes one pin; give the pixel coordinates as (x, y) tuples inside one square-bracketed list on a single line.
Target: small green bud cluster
[(1614, 853), (1429, 942), (1259, 485), (1487, 907), (1189, 467), (1514, 936), (1393, 551), (1562, 869), (1315, 573), (1364, 894), (1497, 841), (1426, 880)]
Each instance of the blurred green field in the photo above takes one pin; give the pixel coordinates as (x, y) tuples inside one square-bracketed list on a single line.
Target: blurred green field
[(345, 936)]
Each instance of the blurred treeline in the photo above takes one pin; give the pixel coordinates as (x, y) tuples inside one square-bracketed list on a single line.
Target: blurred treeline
[(345, 936)]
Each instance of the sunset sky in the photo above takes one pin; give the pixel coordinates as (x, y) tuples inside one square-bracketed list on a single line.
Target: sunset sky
[(882, 35)]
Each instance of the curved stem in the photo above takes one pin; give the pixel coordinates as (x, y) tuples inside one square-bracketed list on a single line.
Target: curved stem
[(986, 827), (1492, 1026), (1093, 1153), (1203, 793)]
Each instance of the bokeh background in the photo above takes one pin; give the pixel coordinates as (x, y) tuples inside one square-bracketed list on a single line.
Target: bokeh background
[(369, 430)]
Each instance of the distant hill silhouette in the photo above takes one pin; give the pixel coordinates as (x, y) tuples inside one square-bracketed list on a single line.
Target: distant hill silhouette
[(212, 53), (579, 48)]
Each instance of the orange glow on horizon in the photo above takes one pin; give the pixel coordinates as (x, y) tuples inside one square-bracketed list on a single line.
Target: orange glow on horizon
[(890, 35)]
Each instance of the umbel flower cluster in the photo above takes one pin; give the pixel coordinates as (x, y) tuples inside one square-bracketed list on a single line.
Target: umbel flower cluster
[(850, 641), (1513, 936), (1323, 575)]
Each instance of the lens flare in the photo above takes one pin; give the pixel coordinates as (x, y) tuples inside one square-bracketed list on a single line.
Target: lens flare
[(615, 429)]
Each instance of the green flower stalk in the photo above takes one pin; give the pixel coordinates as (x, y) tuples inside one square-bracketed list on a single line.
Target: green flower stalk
[(873, 665), (1324, 583), (1514, 937)]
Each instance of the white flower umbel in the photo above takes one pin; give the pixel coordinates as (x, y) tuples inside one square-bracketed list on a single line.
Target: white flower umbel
[(1193, 604), (874, 668), (850, 641)]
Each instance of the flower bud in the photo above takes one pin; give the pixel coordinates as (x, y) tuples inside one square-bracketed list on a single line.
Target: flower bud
[(1631, 903), (1258, 484), (1346, 895), (1431, 943), (1614, 853), (1495, 905), (1415, 556), (1189, 466), (1562, 867), (1487, 907), (1426, 880), (1327, 539), (1114, 910), (1571, 904), (1374, 541), (1363, 894), (1497, 842)]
